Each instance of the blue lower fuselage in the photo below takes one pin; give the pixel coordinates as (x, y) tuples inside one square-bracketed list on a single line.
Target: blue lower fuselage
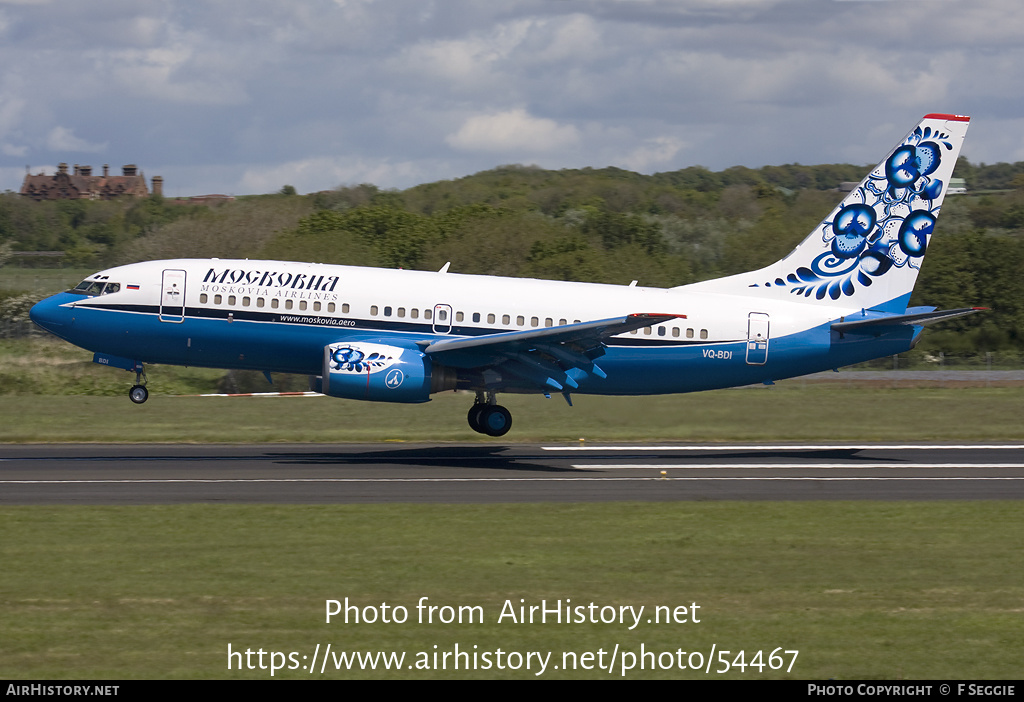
[(634, 365)]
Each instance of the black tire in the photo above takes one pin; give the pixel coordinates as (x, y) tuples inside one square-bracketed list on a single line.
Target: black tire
[(475, 413), (138, 394), (496, 420)]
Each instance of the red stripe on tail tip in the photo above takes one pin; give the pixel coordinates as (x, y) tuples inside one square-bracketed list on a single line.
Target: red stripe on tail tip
[(954, 118)]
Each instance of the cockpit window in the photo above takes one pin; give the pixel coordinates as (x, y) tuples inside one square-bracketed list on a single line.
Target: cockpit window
[(93, 287)]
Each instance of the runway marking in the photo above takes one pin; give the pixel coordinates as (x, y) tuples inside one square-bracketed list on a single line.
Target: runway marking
[(503, 480), (790, 447), (858, 466)]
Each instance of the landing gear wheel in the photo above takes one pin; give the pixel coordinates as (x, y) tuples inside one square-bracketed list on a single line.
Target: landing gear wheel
[(475, 413), (495, 420), (138, 394)]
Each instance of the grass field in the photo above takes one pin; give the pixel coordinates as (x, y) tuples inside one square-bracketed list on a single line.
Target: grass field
[(780, 413), (861, 590)]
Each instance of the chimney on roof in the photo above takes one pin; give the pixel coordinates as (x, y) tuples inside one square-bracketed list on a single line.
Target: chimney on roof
[(76, 170), (62, 168), (106, 169), (129, 170), (86, 170), (158, 186)]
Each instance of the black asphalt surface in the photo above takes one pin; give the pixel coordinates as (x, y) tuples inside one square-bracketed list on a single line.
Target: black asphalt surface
[(488, 473)]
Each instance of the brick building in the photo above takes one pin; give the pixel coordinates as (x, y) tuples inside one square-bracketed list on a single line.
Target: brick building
[(83, 185)]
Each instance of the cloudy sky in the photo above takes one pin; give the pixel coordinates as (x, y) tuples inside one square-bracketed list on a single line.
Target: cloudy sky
[(245, 96)]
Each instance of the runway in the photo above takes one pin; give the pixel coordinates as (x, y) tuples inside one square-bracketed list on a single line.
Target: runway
[(493, 473)]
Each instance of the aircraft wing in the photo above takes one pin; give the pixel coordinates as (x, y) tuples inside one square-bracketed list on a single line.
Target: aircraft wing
[(551, 358), (916, 318)]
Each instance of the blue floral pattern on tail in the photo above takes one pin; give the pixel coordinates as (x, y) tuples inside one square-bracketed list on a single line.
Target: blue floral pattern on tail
[(885, 223)]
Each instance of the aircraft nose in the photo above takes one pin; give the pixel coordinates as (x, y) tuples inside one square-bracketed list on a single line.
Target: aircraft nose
[(50, 315)]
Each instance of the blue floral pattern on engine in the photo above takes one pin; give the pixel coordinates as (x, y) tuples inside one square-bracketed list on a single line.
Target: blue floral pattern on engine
[(358, 358), (884, 223)]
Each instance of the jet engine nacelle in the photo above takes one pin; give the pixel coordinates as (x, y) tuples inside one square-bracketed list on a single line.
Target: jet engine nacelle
[(378, 372)]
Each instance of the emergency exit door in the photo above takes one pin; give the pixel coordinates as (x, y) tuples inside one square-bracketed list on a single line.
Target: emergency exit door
[(172, 296), (757, 338)]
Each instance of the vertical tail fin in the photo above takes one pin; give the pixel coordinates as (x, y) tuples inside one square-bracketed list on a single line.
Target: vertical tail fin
[(868, 251)]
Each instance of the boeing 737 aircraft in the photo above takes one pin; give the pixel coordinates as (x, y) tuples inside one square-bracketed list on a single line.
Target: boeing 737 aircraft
[(839, 298)]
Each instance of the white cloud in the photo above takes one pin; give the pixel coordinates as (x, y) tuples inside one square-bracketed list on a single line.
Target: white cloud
[(323, 173), (653, 153), (177, 72), (64, 139), (513, 130)]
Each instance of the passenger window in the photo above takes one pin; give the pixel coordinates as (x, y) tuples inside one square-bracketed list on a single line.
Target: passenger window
[(442, 315), (330, 307), (562, 322), (288, 304), (217, 299), (203, 298), (675, 331), (703, 333), (520, 320), (231, 300), (246, 301), (401, 312), (505, 319), (459, 316), (548, 322), (302, 305), (274, 303), (428, 313), (534, 322), (260, 302), (414, 313), (476, 316), (373, 310), (316, 306), (647, 331), (387, 310), (344, 308), (490, 319), (689, 333)]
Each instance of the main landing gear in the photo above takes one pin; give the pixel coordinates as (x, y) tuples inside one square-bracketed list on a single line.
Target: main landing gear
[(487, 417), (139, 394)]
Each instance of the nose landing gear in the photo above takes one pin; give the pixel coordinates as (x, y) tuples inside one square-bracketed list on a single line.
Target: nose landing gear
[(487, 417)]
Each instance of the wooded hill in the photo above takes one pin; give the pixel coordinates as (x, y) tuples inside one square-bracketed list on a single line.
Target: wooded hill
[(602, 225)]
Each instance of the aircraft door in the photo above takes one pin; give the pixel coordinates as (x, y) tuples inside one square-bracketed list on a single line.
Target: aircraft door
[(172, 296), (757, 338), (442, 321)]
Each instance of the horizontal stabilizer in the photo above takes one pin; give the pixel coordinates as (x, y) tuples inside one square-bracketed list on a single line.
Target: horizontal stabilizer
[(917, 319)]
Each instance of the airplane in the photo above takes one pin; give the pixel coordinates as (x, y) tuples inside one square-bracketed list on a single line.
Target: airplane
[(839, 298)]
